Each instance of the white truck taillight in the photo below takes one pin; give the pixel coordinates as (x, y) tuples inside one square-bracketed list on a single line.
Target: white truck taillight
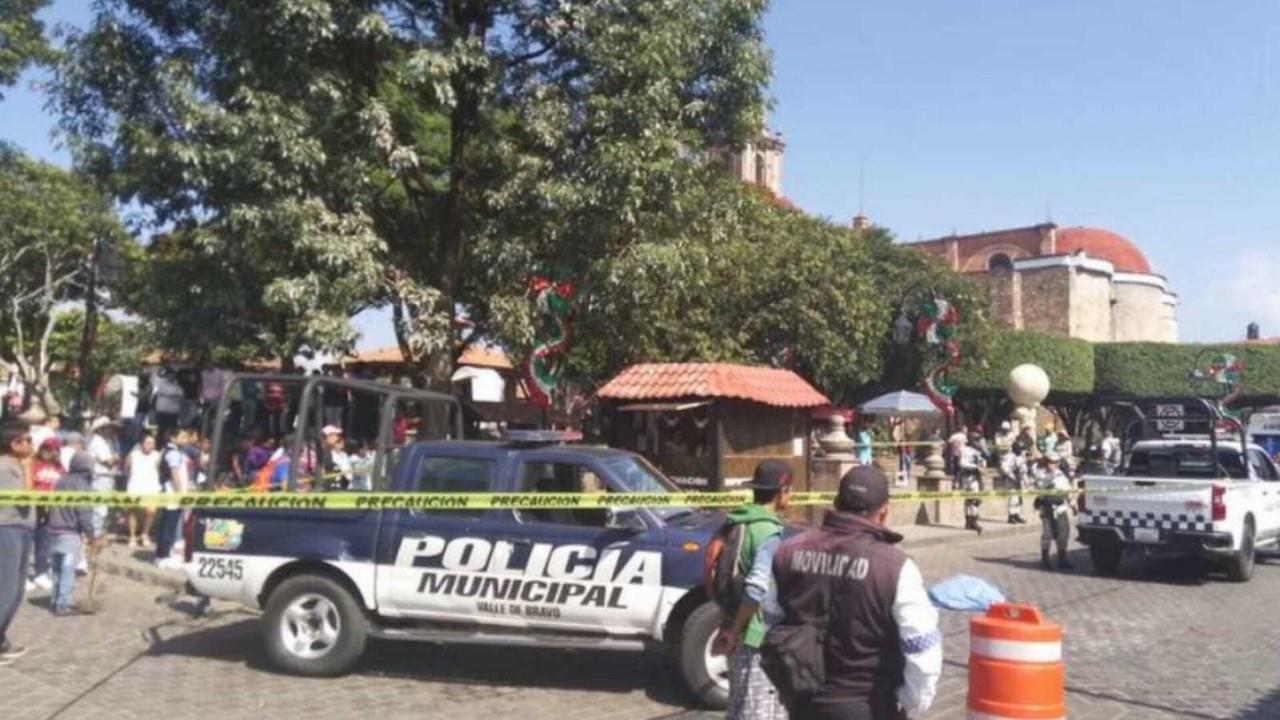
[(1219, 503)]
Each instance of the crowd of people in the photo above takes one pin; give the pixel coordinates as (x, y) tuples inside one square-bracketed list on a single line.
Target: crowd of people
[(1025, 462)]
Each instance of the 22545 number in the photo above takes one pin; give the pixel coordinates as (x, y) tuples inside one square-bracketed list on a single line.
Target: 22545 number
[(221, 568)]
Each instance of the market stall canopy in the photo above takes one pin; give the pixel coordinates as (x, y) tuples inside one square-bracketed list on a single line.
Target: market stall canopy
[(901, 404), (679, 381)]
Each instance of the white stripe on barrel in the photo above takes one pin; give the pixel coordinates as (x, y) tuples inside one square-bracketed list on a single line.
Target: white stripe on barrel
[(1016, 650), (975, 715)]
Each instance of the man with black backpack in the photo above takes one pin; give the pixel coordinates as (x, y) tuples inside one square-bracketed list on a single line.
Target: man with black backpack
[(740, 579), (859, 638)]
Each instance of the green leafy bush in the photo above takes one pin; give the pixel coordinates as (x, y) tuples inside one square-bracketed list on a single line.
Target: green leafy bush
[(1147, 369), (1069, 362)]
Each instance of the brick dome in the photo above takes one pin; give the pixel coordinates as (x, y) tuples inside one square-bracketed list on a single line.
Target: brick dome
[(1104, 245)]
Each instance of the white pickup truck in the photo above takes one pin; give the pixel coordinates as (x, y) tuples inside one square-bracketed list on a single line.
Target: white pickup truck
[(1172, 498)]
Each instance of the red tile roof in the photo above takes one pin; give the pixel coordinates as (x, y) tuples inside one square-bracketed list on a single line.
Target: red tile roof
[(1103, 244), (669, 381)]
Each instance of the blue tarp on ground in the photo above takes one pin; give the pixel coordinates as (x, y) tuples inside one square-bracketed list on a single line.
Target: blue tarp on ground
[(965, 592)]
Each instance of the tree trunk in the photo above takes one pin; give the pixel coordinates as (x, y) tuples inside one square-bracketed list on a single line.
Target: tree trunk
[(465, 23)]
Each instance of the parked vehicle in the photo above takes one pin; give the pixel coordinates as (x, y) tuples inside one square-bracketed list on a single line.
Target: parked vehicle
[(606, 579), (1185, 494)]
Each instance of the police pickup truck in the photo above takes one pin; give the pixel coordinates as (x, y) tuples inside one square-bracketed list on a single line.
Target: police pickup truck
[(1190, 495), (328, 581)]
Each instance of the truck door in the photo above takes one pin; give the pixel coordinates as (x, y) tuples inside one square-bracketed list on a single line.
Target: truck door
[(592, 570), (416, 545), (1264, 470)]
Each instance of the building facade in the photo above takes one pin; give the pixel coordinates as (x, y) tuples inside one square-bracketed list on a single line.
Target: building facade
[(1077, 282)]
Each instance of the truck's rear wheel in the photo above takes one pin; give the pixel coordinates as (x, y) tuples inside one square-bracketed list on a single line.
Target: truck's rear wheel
[(313, 626), (704, 674), (1106, 558), (1240, 565)]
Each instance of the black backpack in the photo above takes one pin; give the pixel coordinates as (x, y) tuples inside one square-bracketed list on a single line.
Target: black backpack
[(722, 567), (794, 659)]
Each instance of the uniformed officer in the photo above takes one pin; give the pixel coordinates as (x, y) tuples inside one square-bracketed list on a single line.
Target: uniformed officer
[(1013, 474), (1055, 510), (882, 648)]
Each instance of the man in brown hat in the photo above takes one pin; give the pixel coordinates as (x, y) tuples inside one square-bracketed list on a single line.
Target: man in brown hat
[(881, 647)]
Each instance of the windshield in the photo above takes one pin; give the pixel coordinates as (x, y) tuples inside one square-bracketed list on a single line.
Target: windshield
[(1184, 462), (635, 474)]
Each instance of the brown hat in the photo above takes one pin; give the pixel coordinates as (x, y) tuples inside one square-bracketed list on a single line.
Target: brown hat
[(862, 488)]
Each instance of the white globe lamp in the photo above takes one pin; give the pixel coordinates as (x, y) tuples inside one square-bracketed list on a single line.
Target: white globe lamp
[(1028, 385)]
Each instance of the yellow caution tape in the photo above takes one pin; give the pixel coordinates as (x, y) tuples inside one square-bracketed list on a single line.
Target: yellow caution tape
[(233, 499)]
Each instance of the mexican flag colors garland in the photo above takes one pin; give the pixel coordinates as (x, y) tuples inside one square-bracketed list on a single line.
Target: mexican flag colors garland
[(936, 323), (1227, 371), (545, 364)]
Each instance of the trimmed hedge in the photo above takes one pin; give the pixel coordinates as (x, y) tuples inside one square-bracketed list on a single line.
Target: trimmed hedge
[(1147, 369), (1069, 362)]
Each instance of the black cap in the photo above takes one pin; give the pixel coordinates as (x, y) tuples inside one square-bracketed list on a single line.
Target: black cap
[(770, 475), (862, 488)]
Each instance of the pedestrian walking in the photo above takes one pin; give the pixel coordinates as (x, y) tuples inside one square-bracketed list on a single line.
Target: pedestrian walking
[(68, 528), (176, 475), (866, 454), (46, 470), (1055, 511), (1013, 476), (16, 523), (106, 463), (143, 468), (854, 599), (755, 532), (973, 462)]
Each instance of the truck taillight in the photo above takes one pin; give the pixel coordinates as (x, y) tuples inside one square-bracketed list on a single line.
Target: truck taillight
[(1081, 505), (1219, 503), (188, 536)]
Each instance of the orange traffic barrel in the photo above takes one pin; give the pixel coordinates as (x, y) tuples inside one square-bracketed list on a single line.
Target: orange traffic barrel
[(1015, 666)]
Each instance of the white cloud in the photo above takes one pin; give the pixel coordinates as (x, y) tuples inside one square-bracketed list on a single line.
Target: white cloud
[(1244, 289)]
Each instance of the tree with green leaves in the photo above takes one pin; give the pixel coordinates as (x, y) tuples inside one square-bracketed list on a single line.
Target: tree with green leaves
[(327, 156), (50, 221), (22, 41), (734, 276)]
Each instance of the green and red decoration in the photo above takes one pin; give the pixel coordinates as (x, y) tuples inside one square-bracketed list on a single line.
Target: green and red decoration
[(936, 322), (1225, 372), (544, 367)]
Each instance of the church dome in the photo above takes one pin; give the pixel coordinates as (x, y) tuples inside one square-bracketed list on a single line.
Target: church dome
[(1104, 245)]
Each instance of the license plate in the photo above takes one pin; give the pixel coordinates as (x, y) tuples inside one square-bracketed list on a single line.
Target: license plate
[(1146, 535)]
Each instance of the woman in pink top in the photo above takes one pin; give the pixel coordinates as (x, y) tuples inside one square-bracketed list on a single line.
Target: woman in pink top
[(46, 470)]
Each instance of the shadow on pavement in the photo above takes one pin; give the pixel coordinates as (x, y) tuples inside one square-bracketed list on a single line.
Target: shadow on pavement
[(1135, 568), (1266, 708), (589, 670)]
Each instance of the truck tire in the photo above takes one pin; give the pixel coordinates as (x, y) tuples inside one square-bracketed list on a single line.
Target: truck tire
[(1240, 565), (706, 677), (313, 626), (1106, 558)]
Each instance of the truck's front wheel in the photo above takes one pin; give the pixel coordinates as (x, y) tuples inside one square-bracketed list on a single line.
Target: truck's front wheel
[(704, 674), (313, 626)]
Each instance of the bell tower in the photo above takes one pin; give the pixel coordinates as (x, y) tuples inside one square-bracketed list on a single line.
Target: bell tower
[(759, 162)]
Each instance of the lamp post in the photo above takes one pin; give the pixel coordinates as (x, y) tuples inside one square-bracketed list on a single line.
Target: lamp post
[(103, 266)]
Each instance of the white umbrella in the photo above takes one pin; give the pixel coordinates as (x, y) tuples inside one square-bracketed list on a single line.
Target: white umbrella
[(901, 404)]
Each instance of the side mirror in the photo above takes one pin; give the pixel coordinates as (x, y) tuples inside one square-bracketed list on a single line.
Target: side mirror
[(624, 519)]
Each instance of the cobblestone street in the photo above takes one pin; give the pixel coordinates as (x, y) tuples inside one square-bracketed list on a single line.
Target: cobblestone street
[(1157, 642)]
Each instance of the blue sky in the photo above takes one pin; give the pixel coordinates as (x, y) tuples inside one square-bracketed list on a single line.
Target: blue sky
[(1156, 119)]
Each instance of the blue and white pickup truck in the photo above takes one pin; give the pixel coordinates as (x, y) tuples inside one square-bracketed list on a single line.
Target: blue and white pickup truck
[(328, 581)]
